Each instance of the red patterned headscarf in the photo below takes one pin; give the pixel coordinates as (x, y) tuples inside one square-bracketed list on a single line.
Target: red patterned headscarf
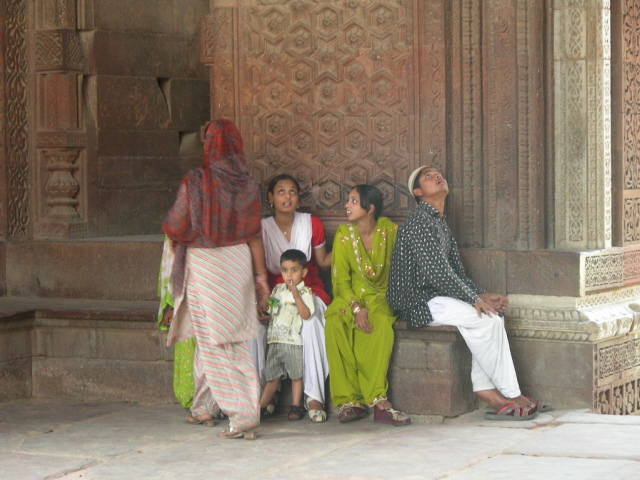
[(218, 204)]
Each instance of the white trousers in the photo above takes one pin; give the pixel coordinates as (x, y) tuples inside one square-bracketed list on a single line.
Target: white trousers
[(316, 368), (491, 364)]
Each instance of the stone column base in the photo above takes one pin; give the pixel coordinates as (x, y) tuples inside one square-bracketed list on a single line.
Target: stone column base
[(579, 352)]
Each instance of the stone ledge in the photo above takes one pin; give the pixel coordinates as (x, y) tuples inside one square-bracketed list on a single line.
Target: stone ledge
[(82, 349)]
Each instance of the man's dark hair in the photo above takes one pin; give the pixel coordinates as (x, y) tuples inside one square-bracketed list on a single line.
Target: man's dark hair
[(294, 255), (370, 195)]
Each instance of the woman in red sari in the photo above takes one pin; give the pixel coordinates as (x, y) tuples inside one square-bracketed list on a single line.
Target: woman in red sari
[(215, 228)]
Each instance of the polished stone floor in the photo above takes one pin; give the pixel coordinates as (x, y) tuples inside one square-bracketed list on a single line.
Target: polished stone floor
[(43, 440)]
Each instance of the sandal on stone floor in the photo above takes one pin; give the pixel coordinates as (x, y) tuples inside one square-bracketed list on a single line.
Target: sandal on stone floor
[(230, 434), (296, 412), (209, 422), (266, 413), (512, 412), (316, 416), (351, 411), (540, 406), (391, 416)]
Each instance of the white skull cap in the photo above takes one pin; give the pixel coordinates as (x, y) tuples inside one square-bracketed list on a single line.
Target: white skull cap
[(412, 178)]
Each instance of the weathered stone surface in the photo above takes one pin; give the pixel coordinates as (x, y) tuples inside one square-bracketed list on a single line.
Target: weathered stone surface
[(15, 379), (174, 17), (145, 55), (15, 343), (430, 371), (114, 143), (560, 373), (131, 103), (99, 379), (188, 103), (409, 354), (85, 269), (554, 273), (439, 357), (487, 268), (138, 345)]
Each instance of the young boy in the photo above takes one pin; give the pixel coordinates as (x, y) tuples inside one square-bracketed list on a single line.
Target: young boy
[(290, 303)]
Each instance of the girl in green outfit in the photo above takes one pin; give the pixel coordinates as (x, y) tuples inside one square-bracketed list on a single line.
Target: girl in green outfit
[(183, 386), (359, 323)]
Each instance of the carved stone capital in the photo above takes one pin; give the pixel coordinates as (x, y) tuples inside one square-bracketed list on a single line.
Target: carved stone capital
[(587, 319)]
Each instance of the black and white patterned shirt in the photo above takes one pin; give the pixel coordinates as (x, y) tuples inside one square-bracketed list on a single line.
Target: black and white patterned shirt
[(425, 263)]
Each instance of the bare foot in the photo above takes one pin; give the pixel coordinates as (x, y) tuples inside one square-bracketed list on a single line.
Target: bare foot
[(498, 401), (384, 405), (315, 405), (199, 418)]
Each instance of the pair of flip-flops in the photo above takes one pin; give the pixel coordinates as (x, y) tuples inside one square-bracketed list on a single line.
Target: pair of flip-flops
[(514, 412)]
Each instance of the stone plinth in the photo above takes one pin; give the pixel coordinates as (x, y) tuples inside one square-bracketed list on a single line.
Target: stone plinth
[(430, 372), (579, 352), (85, 354)]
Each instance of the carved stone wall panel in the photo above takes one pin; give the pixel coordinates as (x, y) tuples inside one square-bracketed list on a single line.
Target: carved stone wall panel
[(466, 122), (16, 130), (217, 50), (58, 98), (327, 89), (3, 149), (628, 55), (582, 125), (501, 123), (58, 50), (617, 376), (51, 14), (62, 179), (433, 89)]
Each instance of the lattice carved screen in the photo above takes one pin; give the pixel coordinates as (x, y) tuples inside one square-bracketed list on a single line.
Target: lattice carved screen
[(322, 90)]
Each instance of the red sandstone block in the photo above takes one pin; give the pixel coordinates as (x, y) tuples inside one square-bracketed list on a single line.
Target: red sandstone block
[(173, 17), (409, 354), (100, 269), (146, 173), (439, 356), (143, 144), (488, 268), (544, 273), (131, 103), (107, 380), (139, 345), (3, 257), (64, 342), (145, 55)]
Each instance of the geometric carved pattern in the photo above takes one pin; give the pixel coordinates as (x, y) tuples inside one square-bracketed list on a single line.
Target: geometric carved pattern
[(58, 50), (16, 85), (330, 94), (618, 358), (617, 377), (603, 270)]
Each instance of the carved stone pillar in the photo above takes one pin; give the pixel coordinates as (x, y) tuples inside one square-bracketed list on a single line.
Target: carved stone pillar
[(60, 143), (582, 67), (574, 322)]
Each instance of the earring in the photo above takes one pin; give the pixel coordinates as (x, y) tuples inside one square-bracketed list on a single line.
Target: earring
[(272, 205)]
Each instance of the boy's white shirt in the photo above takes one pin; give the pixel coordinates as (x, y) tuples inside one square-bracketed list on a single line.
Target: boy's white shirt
[(285, 327)]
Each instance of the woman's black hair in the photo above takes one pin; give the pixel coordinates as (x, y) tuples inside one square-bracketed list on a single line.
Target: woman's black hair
[(370, 195), (278, 178)]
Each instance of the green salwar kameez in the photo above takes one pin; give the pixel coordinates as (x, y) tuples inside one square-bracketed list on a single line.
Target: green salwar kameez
[(183, 352), (358, 361)]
